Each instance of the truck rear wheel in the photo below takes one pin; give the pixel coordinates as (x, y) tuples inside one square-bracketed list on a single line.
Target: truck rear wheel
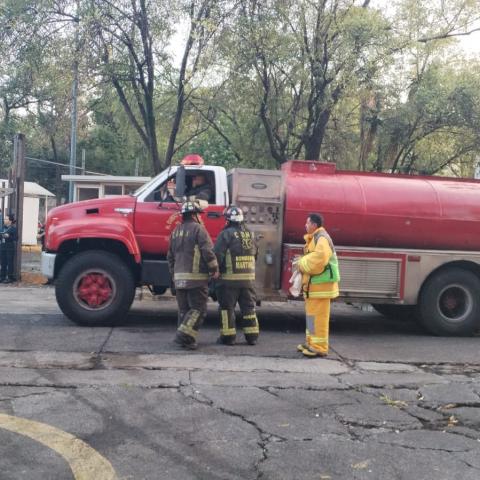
[(449, 303), (95, 288), (397, 312)]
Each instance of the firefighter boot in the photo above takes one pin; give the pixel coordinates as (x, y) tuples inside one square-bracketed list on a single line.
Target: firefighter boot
[(250, 328), (188, 330), (309, 353), (226, 340), (185, 341), (228, 333)]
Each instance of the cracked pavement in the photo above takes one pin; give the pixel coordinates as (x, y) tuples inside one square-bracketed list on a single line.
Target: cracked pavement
[(389, 403)]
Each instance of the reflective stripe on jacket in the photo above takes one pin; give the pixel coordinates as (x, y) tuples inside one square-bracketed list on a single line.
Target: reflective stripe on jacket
[(190, 255), (318, 252)]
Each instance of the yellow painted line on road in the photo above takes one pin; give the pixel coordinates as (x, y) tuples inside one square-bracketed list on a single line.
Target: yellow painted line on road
[(85, 462)]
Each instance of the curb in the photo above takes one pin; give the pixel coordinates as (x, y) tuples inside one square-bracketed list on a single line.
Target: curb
[(33, 278), (31, 248)]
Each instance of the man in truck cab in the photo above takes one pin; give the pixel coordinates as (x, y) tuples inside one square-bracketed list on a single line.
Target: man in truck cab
[(199, 192), (200, 189), (191, 262), (319, 266), (198, 186), (236, 252)]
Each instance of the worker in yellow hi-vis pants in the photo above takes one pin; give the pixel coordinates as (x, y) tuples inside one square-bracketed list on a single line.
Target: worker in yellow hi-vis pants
[(320, 277)]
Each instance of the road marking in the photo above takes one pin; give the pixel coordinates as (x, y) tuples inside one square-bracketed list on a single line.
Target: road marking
[(85, 462)]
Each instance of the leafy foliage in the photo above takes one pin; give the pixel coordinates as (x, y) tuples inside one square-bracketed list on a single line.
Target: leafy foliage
[(243, 83)]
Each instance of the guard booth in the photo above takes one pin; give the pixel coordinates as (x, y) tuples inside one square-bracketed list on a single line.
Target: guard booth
[(87, 187)]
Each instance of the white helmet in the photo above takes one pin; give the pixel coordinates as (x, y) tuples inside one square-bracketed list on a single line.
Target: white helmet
[(233, 214), (191, 207)]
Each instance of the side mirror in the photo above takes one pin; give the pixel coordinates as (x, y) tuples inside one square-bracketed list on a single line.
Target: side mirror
[(180, 184)]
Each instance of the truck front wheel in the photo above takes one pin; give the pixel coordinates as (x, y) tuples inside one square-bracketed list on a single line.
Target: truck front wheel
[(449, 303), (95, 288)]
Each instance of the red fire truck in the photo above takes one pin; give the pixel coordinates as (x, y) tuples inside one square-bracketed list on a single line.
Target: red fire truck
[(408, 245)]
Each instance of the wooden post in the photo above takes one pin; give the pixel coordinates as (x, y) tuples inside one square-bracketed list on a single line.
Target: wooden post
[(2, 207), (18, 181)]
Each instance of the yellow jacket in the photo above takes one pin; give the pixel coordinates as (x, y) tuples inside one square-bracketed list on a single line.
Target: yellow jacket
[(315, 259)]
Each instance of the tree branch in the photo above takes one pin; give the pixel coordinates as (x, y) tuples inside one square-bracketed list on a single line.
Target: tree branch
[(447, 35)]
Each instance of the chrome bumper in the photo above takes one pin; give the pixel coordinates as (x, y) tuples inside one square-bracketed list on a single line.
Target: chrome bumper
[(48, 264)]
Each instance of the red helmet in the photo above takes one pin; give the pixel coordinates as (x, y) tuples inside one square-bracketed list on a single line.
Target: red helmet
[(192, 159)]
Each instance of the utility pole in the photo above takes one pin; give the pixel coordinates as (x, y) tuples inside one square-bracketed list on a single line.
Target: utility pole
[(83, 161), (477, 167), (73, 135), (2, 214), (16, 199)]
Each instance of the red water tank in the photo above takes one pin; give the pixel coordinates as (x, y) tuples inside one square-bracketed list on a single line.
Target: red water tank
[(382, 210)]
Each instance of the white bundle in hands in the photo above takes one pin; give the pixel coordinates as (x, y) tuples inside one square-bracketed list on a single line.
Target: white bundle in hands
[(296, 278)]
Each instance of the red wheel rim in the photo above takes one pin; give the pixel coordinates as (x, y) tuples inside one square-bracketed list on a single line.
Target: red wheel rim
[(94, 290)]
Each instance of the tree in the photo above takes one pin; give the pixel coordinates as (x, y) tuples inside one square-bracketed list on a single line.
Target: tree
[(18, 66), (436, 126), (304, 56), (122, 33), (425, 97), (255, 84), (132, 39), (35, 62)]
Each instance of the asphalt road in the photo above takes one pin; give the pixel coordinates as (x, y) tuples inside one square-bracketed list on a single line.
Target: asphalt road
[(124, 402)]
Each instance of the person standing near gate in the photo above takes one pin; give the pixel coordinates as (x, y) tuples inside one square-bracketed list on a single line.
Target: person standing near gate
[(191, 262), (319, 266), (7, 251), (236, 252)]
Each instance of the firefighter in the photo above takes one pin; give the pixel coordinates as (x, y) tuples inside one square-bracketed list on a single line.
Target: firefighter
[(319, 266), (236, 252), (191, 261)]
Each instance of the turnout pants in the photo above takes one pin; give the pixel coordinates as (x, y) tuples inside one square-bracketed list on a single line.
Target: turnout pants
[(192, 309), (317, 312), (227, 299)]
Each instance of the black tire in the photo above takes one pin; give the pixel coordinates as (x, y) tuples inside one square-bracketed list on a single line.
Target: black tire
[(397, 312), (449, 303), (157, 290), (95, 277)]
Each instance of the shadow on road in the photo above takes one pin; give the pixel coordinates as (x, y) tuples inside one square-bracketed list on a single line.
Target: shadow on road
[(345, 320)]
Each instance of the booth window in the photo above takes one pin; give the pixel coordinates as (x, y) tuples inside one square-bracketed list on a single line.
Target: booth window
[(88, 193), (112, 190)]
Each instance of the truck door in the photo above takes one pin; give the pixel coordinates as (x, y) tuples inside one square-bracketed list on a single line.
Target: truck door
[(157, 215)]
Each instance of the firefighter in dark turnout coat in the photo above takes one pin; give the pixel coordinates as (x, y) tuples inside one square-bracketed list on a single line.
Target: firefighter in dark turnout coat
[(191, 262), (236, 252)]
